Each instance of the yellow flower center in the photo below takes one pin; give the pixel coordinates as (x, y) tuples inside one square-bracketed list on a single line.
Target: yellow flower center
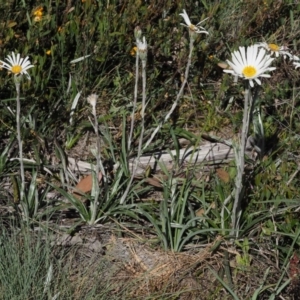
[(192, 27), (249, 71), (273, 47), (16, 69)]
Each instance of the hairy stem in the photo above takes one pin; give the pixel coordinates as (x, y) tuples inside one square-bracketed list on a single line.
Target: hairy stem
[(22, 191), (240, 164), (142, 132), (134, 101), (99, 167), (178, 95)]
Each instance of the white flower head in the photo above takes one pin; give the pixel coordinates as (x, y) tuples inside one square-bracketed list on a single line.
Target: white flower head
[(92, 100), (142, 45), (251, 64), (296, 61), (276, 50), (17, 65), (194, 28), (142, 48), (297, 65)]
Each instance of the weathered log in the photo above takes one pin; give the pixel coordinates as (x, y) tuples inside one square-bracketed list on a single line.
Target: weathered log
[(208, 153)]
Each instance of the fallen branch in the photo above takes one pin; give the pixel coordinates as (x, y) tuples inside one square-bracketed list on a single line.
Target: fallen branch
[(208, 153)]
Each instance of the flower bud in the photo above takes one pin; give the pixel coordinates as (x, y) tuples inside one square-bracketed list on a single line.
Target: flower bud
[(142, 49), (137, 33), (92, 100)]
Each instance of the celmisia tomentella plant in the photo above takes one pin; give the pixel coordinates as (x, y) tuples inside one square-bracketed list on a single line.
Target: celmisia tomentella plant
[(92, 100), (250, 64), (194, 31), (18, 67), (137, 35), (142, 49)]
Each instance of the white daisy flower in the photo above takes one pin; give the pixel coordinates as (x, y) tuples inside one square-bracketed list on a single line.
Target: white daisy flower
[(250, 65), (142, 48), (194, 28), (276, 50), (17, 65)]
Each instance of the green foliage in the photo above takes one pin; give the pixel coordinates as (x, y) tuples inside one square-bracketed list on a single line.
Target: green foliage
[(243, 261), (36, 268), (176, 223), (110, 192), (24, 270)]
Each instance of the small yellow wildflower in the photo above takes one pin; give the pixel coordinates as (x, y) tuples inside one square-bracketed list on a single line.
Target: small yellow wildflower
[(48, 52), (133, 51), (38, 12), (265, 5)]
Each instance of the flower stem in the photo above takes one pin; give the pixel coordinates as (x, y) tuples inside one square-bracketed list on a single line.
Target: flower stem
[(143, 108), (178, 95), (140, 150), (240, 164), (22, 191), (99, 168), (134, 101)]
